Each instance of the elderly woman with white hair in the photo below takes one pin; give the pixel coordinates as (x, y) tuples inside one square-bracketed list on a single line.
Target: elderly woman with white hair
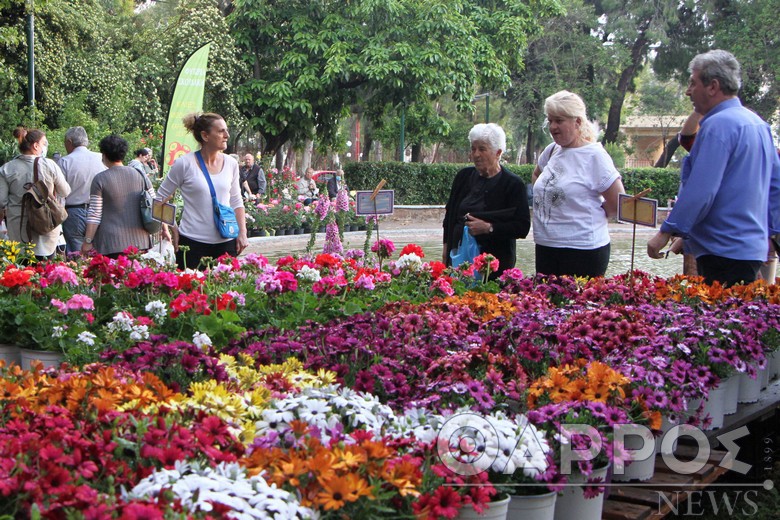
[(575, 192), (489, 200)]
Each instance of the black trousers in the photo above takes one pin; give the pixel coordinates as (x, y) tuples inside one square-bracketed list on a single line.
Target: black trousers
[(562, 261), (726, 270), (198, 250)]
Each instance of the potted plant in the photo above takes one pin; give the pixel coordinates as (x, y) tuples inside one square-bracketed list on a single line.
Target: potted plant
[(514, 455)]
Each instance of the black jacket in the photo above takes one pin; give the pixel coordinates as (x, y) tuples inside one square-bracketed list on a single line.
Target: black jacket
[(506, 208)]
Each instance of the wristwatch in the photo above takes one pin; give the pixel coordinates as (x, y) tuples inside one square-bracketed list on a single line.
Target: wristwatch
[(88, 240), (490, 229)]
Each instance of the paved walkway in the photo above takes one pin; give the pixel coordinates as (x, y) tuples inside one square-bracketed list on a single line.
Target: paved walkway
[(422, 231)]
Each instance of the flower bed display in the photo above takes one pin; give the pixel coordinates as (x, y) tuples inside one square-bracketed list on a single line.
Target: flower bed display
[(328, 386)]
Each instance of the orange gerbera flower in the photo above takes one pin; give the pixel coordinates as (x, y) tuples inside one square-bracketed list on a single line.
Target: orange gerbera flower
[(292, 469), (405, 475), (376, 450), (105, 400), (322, 463), (336, 492), (653, 419), (574, 389), (596, 393), (349, 457)]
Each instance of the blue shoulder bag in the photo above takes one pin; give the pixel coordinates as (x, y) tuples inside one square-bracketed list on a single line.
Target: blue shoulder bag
[(224, 216)]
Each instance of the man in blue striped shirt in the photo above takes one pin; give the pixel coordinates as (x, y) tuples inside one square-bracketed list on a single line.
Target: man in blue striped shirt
[(729, 199)]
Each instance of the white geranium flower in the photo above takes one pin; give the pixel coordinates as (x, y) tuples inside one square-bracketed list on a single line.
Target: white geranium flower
[(201, 340), (156, 309), (87, 338), (122, 321), (309, 274), (139, 333), (409, 261), (155, 256), (58, 331)]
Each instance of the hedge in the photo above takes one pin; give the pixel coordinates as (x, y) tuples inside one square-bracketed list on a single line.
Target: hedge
[(429, 184)]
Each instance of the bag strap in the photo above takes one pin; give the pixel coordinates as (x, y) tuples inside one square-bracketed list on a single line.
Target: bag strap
[(206, 173), (21, 218), (146, 181)]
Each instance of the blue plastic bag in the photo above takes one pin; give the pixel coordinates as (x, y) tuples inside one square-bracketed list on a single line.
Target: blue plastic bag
[(467, 250)]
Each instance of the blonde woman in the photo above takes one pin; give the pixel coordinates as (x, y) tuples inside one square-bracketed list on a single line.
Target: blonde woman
[(575, 192)]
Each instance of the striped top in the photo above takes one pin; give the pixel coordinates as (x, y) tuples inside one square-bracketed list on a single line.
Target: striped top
[(114, 205)]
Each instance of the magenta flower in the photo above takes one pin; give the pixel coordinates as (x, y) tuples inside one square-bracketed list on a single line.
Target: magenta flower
[(81, 301), (342, 201), (383, 248), (332, 240), (486, 264)]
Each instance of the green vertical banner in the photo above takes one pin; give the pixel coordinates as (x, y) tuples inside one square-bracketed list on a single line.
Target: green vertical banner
[(187, 98)]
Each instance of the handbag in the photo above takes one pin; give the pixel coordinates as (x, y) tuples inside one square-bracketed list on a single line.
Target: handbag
[(467, 250), (224, 216), (39, 203), (146, 200)]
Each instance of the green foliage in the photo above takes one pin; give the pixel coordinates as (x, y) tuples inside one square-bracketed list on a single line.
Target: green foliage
[(564, 56), (617, 154), (664, 182), (748, 29), (307, 62), (167, 34), (8, 150), (415, 183), (429, 184)]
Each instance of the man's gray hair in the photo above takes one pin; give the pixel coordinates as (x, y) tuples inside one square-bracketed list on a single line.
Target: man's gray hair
[(77, 136), (489, 133), (720, 65)]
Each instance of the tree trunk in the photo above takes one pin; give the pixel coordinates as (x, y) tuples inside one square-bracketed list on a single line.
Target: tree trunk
[(292, 158), (367, 143), (638, 52), (529, 145), (233, 143), (308, 150), (670, 147), (416, 153)]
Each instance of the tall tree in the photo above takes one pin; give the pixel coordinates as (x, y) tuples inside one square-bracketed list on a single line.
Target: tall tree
[(564, 56), (310, 60), (168, 33), (629, 28), (748, 29)]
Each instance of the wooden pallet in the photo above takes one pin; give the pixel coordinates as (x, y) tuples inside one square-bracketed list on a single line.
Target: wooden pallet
[(639, 501)]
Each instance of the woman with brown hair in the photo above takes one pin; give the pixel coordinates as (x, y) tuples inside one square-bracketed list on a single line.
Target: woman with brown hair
[(197, 229), (16, 176)]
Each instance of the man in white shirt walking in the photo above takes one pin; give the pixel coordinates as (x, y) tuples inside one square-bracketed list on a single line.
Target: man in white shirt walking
[(80, 166)]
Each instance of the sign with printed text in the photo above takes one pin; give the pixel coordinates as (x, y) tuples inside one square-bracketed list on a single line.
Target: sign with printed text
[(637, 210), (381, 204)]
